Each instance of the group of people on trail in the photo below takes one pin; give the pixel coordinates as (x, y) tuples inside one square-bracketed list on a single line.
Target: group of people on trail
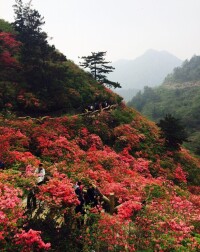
[(40, 177), (96, 106), (86, 196), (90, 196)]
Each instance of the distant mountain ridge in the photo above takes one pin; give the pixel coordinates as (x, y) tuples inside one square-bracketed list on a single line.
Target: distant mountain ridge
[(149, 69)]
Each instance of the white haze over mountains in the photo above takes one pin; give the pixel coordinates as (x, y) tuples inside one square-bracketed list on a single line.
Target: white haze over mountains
[(149, 69), (125, 29)]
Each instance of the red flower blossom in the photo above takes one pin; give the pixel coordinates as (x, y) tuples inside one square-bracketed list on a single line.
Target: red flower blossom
[(30, 241)]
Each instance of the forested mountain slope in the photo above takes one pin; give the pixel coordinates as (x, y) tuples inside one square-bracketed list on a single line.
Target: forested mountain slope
[(179, 95)]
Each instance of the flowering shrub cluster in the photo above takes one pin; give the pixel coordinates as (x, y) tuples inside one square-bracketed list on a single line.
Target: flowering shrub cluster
[(179, 174), (58, 192), (28, 100), (31, 241), (156, 198), (10, 211), (8, 47), (87, 140), (127, 136), (167, 224)]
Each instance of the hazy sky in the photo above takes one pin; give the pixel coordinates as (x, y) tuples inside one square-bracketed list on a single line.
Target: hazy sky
[(123, 28)]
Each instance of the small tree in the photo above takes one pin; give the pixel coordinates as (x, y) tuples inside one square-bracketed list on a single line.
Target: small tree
[(173, 132), (99, 68)]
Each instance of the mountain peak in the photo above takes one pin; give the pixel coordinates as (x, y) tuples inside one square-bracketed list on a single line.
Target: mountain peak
[(161, 53), (149, 69)]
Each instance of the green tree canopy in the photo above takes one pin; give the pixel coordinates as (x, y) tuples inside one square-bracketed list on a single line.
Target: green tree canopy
[(99, 68), (6, 27), (189, 71), (173, 131)]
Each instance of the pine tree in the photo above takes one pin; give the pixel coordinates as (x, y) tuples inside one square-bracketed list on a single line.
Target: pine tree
[(173, 132), (37, 56), (28, 23), (99, 68)]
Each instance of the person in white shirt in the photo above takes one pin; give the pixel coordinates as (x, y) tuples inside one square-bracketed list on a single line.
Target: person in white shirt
[(40, 173)]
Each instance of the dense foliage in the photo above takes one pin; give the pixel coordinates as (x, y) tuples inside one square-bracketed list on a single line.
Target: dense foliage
[(189, 71), (156, 191), (181, 99), (173, 132)]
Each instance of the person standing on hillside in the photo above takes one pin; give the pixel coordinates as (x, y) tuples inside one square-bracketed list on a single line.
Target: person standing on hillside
[(40, 173), (40, 176), (92, 196), (79, 193), (2, 165)]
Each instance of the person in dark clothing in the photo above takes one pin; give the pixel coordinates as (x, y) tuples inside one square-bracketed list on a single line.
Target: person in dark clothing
[(90, 108), (31, 197), (92, 196), (104, 104), (79, 193), (96, 106), (2, 165)]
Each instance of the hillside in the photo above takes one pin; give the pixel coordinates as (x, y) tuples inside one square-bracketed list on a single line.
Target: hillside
[(149, 69), (179, 95), (43, 81), (109, 181), (156, 191)]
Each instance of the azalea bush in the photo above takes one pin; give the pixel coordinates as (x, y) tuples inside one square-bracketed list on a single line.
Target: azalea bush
[(30, 241)]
